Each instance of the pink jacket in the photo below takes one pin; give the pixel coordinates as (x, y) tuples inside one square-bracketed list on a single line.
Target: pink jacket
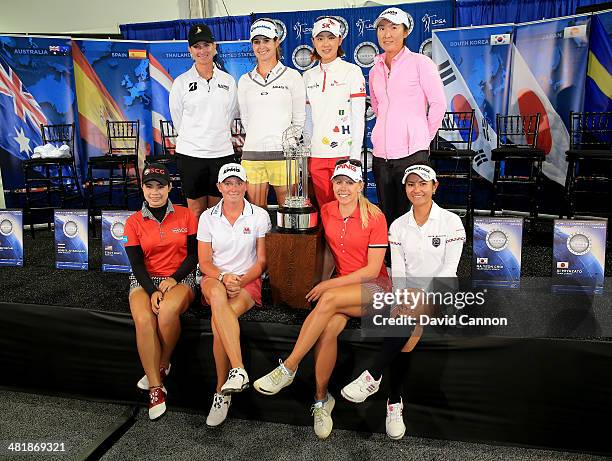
[(400, 99)]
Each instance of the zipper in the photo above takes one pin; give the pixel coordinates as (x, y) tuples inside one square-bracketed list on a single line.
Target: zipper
[(387, 76)]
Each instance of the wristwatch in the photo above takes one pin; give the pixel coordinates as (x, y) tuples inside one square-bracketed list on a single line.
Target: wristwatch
[(220, 277)]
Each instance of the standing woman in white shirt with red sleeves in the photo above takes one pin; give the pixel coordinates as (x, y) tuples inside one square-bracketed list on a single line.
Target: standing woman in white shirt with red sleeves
[(335, 108), (271, 98)]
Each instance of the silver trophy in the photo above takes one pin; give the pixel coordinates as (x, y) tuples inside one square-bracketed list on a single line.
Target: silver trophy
[(296, 215)]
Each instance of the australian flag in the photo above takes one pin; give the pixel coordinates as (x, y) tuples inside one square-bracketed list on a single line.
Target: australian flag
[(20, 119)]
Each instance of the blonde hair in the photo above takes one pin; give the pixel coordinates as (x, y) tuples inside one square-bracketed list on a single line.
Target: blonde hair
[(366, 209)]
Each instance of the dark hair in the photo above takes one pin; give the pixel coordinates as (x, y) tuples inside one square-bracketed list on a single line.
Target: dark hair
[(314, 56), (406, 29)]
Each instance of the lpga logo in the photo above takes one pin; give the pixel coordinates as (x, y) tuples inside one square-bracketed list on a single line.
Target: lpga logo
[(432, 21), (363, 25), (300, 28)]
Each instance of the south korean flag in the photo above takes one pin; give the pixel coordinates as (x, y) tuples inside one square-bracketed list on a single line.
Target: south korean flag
[(459, 98)]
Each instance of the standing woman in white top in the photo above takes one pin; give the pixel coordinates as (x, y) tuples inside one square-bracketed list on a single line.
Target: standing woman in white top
[(271, 98), (335, 108), (203, 104), (426, 243)]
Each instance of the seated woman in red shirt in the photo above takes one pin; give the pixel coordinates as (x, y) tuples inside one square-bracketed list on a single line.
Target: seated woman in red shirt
[(162, 249), (356, 233)]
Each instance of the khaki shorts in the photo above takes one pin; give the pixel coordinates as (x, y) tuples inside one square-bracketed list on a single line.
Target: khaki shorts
[(274, 172)]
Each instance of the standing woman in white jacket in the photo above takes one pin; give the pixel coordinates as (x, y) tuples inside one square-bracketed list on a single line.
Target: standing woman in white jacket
[(335, 107), (271, 98)]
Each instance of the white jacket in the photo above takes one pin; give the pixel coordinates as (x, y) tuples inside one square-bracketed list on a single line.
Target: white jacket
[(335, 108)]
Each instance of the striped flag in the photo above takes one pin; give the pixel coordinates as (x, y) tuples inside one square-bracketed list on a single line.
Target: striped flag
[(95, 103), (598, 94), (161, 83)]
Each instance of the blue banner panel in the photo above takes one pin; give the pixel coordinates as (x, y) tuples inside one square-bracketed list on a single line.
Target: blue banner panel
[(168, 60), (71, 243), (458, 54), (114, 257), (112, 82), (549, 68), (497, 252), (11, 238), (579, 254), (36, 87)]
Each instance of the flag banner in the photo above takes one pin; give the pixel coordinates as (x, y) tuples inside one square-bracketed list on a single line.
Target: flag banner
[(579, 254), (457, 52), (496, 258), (598, 91), (548, 77), (112, 83), (360, 44), (114, 257), (168, 60), (11, 238), (36, 87), (71, 243)]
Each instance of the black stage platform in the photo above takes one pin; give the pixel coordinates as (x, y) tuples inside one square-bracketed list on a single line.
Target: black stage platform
[(70, 333)]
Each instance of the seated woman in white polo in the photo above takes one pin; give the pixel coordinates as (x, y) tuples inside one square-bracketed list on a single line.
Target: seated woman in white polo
[(231, 252)]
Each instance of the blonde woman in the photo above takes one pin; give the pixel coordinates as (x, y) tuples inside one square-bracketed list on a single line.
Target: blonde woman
[(356, 233)]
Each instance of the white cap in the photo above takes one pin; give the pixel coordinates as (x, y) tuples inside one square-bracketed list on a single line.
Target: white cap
[(394, 15), (263, 27), (347, 168), (232, 169), (425, 172), (326, 25)]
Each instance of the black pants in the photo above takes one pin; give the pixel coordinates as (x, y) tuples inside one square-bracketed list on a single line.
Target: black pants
[(392, 198)]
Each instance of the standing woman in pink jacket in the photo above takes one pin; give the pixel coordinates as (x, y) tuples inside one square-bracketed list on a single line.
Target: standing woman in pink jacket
[(408, 99)]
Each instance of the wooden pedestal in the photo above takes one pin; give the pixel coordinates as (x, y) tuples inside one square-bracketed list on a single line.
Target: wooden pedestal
[(294, 265)]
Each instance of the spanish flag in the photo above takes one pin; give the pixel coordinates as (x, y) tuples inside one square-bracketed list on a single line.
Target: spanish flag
[(137, 54), (95, 104), (598, 93)]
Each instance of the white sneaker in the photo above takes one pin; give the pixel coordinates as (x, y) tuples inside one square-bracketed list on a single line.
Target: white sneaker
[(274, 381), (144, 381), (321, 412), (394, 423), (237, 381), (218, 410), (361, 388)]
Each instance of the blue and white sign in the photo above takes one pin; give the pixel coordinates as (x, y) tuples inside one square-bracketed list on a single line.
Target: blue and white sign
[(11, 238), (497, 252), (114, 257), (71, 244)]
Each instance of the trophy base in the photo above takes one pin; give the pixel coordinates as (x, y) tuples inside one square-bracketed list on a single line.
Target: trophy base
[(303, 220)]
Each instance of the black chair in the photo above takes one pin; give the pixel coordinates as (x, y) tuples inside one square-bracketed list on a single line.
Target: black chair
[(453, 143), (119, 167), (590, 147), (167, 157), (517, 138), (51, 182)]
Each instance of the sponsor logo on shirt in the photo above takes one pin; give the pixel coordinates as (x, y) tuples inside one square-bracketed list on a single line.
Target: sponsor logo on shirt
[(336, 83), (333, 144), (280, 87), (193, 86), (223, 87), (246, 230), (312, 86), (180, 230), (435, 241)]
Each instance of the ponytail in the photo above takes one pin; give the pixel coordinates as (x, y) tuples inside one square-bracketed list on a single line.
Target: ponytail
[(366, 209)]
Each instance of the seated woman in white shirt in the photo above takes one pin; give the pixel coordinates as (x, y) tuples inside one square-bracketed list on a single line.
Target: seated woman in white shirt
[(231, 252), (426, 243)]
